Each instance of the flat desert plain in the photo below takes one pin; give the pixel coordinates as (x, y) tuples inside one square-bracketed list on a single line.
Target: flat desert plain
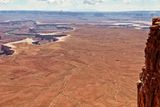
[(94, 67)]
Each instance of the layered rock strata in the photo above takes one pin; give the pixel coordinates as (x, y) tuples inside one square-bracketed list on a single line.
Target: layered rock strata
[(149, 83)]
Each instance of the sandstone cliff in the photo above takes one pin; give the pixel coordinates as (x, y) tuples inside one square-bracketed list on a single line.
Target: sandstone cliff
[(149, 83)]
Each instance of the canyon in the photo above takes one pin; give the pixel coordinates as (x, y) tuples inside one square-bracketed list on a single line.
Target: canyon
[(85, 70), (13, 32), (78, 59)]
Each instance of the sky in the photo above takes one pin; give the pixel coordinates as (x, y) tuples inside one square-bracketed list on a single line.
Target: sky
[(80, 5)]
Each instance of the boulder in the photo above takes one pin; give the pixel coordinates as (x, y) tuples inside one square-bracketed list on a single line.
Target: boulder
[(36, 43), (7, 50)]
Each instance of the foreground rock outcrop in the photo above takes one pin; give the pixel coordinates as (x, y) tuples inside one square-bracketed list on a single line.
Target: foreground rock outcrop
[(149, 83), (6, 50)]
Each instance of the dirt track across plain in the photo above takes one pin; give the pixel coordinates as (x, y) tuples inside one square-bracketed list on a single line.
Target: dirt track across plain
[(95, 67)]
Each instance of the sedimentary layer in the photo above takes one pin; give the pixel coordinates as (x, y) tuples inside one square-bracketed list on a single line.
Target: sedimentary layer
[(149, 83)]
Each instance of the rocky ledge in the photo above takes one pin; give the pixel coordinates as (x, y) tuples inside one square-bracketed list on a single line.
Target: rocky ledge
[(6, 50), (149, 83)]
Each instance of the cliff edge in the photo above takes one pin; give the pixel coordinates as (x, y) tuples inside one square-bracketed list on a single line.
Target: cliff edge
[(149, 83)]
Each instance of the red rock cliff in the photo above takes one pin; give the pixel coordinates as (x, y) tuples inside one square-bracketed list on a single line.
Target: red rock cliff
[(149, 83)]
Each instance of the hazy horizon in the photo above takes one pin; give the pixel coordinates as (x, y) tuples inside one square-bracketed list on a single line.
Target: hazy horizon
[(58, 11)]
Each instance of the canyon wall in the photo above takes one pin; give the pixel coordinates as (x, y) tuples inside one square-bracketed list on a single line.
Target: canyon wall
[(149, 83)]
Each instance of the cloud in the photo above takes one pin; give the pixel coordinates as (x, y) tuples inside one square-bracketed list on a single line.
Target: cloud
[(80, 5), (56, 1), (89, 2), (92, 2), (53, 1), (127, 1), (5, 1)]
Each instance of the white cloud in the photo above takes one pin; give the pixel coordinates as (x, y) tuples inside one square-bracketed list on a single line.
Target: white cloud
[(127, 1), (54, 1), (92, 2), (88, 2), (80, 5), (5, 1)]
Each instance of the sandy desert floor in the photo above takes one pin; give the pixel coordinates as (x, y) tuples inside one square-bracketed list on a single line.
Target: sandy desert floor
[(94, 67)]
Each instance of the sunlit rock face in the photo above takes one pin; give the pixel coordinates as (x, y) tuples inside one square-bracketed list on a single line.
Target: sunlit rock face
[(149, 83)]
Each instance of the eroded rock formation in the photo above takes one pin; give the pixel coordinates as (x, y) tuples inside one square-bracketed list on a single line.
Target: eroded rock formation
[(6, 50), (149, 83)]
